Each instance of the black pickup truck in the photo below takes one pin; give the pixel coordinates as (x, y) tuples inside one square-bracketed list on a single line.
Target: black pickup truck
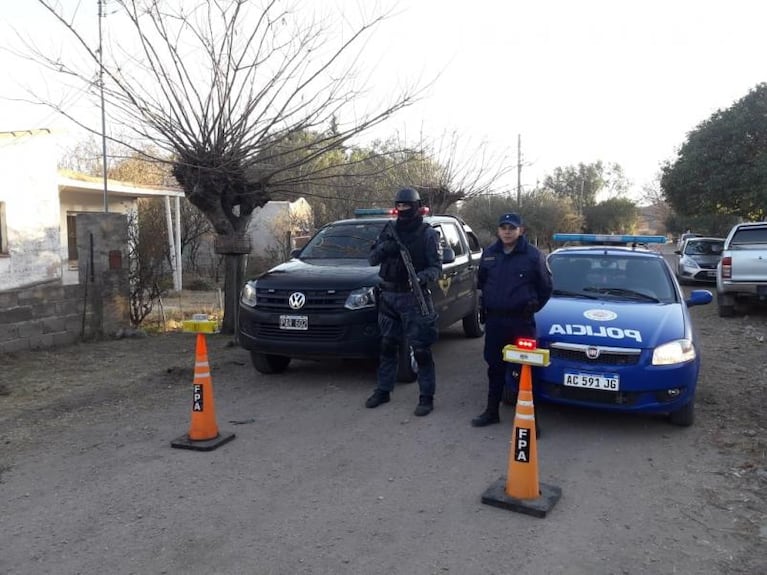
[(322, 302)]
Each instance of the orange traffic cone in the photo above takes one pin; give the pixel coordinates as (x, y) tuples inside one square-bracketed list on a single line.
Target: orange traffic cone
[(203, 431), (521, 491), (522, 476)]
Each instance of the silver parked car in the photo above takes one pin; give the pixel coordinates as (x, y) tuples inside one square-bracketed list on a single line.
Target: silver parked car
[(698, 258)]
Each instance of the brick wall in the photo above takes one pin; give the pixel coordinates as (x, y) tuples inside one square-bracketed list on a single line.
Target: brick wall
[(42, 316)]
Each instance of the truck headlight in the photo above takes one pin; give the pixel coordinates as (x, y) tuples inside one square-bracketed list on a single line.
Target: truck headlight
[(361, 298), (678, 351), (248, 294)]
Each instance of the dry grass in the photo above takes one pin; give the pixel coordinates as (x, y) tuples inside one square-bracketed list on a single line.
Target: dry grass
[(169, 312)]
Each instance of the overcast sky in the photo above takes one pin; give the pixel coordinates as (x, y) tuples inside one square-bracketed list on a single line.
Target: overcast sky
[(579, 81)]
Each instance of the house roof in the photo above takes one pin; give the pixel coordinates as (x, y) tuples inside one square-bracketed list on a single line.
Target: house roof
[(69, 180)]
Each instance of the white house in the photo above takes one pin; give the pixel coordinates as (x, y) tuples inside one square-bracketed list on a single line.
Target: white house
[(274, 227), (39, 205)]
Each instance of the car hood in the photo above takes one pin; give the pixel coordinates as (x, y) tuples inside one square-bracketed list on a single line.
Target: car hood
[(339, 274), (607, 323), (704, 259)]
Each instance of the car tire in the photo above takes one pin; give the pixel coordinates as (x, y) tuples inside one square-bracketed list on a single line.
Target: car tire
[(685, 416), (268, 364), (407, 368), (471, 326)]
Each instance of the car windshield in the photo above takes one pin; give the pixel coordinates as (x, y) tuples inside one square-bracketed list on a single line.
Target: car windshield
[(613, 277), (703, 248), (343, 241)]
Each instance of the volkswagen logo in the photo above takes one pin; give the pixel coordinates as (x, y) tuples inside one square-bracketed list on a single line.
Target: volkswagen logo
[(592, 352), (296, 300)]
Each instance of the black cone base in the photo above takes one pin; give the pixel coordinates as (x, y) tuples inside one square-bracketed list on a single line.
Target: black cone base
[(495, 495), (184, 442)]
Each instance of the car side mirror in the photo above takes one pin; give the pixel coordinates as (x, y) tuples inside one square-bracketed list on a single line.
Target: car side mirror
[(294, 253), (448, 255), (678, 252)]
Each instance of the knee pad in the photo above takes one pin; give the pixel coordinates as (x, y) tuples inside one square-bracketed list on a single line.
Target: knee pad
[(389, 347), (422, 356)]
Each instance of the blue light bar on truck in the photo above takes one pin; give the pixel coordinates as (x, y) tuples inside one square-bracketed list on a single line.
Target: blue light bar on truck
[(367, 212), (609, 238)]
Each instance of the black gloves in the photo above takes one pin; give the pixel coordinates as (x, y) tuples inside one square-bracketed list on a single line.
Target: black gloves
[(389, 247)]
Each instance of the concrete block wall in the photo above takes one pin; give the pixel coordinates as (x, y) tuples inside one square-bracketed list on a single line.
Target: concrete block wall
[(42, 316)]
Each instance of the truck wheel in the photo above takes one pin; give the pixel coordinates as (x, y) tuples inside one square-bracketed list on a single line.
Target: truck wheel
[(684, 417), (268, 363), (407, 368), (726, 306), (471, 326)]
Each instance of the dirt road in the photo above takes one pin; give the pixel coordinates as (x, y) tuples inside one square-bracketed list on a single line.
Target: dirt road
[(314, 483)]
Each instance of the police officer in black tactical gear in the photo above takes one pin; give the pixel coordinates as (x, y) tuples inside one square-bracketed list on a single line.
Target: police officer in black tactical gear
[(515, 283), (399, 315)]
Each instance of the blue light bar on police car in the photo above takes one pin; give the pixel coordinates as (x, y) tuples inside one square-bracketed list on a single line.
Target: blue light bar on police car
[(605, 238)]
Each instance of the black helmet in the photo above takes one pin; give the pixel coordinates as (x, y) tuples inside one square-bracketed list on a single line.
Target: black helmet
[(407, 195)]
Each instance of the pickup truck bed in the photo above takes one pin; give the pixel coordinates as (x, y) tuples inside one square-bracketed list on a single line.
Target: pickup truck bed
[(741, 276)]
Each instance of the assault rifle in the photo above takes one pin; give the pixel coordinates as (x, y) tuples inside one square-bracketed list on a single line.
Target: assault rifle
[(415, 284)]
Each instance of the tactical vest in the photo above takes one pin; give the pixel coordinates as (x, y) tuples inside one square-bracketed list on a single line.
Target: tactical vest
[(393, 268)]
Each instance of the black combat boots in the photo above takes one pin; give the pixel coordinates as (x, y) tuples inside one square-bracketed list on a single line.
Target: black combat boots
[(377, 398), (425, 405), (487, 417)]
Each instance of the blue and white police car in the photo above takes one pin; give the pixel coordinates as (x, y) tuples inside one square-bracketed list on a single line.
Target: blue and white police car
[(618, 329)]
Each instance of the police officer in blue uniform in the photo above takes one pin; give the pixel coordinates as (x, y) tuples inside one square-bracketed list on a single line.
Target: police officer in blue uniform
[(515, 283), (399, 315)]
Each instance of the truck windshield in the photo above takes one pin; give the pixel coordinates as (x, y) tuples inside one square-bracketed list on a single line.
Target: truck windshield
[(343, 241)]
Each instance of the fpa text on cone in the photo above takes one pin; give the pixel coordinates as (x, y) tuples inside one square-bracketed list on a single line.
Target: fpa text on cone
[(204, 434), (520, 490)]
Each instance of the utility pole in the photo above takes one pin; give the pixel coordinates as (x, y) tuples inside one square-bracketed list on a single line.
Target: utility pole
[(103, 115), (519, 172)]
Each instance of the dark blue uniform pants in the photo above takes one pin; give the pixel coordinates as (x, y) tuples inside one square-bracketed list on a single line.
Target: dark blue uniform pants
[(499, 332), (399, 317)]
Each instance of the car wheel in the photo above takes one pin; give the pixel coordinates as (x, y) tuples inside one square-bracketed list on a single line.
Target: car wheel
[(407, 368), (684, 417), (268, 363), (471, 326)]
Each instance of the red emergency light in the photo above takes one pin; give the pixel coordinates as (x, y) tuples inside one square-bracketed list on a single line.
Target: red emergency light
[(526, 343)]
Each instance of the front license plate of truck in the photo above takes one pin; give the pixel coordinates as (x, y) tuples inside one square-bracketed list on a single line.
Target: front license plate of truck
[(299, 322), (607, 382)]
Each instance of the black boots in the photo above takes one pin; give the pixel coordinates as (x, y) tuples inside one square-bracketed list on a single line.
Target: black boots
[(377, 398), (425, 405), (487, 417)]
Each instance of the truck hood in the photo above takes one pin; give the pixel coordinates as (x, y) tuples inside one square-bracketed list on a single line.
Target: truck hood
[(606, 323), (340, 274)]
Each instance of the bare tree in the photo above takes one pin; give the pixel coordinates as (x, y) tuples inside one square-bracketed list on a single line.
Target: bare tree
[(451, 169), (222, 88)]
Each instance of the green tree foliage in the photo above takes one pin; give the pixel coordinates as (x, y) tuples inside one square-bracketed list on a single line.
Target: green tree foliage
[(582, 184), (722, 166), (542, 211), (612, 216)]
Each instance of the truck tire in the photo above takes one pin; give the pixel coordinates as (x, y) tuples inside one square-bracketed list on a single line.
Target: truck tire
[(471, 326), (725, 305), (407, 368), (268, 364), (685, 416)]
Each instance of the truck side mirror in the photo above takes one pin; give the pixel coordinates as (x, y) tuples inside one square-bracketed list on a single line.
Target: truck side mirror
[(448, 255)]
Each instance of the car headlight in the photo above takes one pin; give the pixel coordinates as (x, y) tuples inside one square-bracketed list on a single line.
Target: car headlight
[(678, 351), (248, 294), (361, 298), (690, 263)]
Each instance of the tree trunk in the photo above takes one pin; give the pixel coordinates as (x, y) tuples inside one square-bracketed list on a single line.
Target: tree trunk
[(233, 247), (233, 264)]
